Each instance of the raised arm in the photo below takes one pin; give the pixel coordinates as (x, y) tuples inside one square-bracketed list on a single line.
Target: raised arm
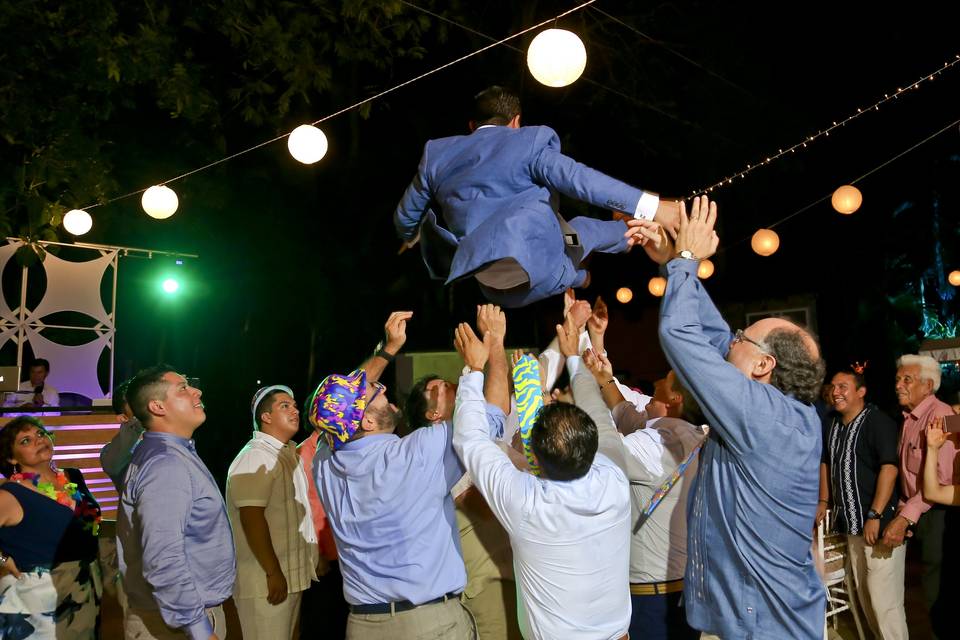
[(933, 491), (492, 322), (116, 455), (395, 336)]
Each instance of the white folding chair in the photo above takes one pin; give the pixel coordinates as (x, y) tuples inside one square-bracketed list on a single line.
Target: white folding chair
[(834, 563)]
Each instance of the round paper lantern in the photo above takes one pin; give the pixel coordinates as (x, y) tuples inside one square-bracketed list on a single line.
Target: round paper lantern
[(705, 270), (556, 57), (624, 295), (954, 278), (77, 222), (847, 199), (765, 242), (307, 144), (159, 202), (657, 285)]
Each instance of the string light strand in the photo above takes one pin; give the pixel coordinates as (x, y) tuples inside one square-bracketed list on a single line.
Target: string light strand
[(357, 104), (854, 181), (826, 132)]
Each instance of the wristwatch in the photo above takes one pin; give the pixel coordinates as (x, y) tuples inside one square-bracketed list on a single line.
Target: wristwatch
[(686, 254), (872, 515)]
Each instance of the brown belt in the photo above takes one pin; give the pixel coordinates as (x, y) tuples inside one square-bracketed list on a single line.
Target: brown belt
[(656, 588)]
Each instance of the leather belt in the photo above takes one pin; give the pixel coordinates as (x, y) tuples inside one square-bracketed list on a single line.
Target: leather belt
[(397, 607), (656, 588)]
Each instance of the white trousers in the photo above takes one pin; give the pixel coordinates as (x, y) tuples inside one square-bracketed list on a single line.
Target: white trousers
[(878, 574), (261, 620)]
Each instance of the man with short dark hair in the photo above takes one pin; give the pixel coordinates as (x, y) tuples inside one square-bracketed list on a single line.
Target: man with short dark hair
[(750, 570), (176, 549), (859, 465), (569, 528), (497, 191), (271, 520)]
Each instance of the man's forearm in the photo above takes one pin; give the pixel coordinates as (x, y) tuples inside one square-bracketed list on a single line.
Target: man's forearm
[(885, 483), (496, 388), (255, 528), (612, 396), (825, 484)]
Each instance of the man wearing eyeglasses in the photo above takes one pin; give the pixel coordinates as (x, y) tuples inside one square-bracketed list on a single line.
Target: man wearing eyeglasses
[(389, 505), (750, 569)]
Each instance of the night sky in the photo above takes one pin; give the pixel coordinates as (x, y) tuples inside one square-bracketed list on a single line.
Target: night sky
[(299, 264)]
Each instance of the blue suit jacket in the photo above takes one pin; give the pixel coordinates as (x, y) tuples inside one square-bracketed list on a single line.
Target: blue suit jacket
[(496, 191)]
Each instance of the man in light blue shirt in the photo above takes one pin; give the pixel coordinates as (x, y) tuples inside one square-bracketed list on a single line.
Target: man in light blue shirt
[(388, 502), (175, 544), (750, 571)]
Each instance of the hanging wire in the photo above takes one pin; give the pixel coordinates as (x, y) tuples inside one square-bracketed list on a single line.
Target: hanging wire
[(826, 132), (353, 106), (854, 181)]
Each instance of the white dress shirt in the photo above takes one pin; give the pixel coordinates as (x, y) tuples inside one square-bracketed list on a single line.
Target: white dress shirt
[(570, 539)]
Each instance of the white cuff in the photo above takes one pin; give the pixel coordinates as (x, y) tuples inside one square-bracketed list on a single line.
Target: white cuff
[(647, 206), (573, 365)]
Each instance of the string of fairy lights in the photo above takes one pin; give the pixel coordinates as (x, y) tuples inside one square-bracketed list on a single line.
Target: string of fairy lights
[(556, 58)]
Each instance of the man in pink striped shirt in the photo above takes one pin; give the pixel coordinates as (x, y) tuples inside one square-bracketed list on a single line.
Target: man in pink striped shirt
[(918, 378)]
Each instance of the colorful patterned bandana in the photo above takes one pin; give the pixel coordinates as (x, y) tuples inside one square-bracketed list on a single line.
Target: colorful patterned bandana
[(337, 406)]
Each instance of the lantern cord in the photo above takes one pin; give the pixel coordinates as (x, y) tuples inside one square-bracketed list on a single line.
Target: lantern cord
[(856, 180), (586, 79), (660, 43), (928, 77), (357, 104)]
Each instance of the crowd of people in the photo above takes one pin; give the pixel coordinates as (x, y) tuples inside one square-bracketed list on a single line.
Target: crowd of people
[(605, 514)]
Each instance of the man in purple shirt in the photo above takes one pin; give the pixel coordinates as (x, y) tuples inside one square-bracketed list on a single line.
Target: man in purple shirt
[(173, 537), (388, 502)]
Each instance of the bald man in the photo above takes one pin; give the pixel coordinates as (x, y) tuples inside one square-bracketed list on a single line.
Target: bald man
[(750, 571)]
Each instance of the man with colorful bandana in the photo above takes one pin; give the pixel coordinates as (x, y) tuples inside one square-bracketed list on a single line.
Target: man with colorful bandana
[(388, 502)]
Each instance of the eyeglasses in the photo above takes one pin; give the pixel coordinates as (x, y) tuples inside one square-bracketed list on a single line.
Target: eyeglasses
[(740, 336), (378, 388)]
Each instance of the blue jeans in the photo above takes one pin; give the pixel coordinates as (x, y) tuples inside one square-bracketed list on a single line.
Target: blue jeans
[(660, 617)]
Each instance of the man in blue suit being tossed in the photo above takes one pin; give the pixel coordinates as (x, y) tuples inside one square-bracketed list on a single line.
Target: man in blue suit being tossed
[(497, 193)]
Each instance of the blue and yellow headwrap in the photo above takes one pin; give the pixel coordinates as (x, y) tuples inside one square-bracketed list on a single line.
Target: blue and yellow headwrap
[(337, 406)]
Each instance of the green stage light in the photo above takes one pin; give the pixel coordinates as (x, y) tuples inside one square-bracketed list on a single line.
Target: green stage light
[(171, 285)]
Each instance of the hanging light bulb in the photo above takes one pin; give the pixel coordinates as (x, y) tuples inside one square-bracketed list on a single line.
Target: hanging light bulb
[(705, 270), (954, 278), (847, 199), (307, 144), (160, 202), (556, 57), (624, 295), (765, 242), (657, 285), (77, 222)]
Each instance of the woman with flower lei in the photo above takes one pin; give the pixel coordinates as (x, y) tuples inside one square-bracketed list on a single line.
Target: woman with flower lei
[(50, 583)]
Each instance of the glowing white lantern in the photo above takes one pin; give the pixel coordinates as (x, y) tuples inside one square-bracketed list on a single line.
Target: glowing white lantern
[(556, 57), (657, 285), (159, 202), (847, 199), (705, 270), (765, 242), (954, 278), (77, 222), (307, 144), (624, 295)]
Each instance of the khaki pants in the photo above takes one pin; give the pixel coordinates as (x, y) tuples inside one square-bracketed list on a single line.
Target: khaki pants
[(442, 621), (148, 624), (495, 611), (261, 620), (878, 574)]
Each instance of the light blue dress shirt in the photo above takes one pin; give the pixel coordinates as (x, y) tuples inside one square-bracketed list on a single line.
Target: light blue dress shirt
[(388, 502), (750, 571), (174, 540)]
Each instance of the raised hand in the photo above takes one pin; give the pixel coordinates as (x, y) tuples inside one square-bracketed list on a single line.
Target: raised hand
[(598, 365), (697, 234), (474, 351), (491, 319), (652, 237), (598, 322), (579, 313), (568, 337), (936, 436), (395, 331), (668, 214)]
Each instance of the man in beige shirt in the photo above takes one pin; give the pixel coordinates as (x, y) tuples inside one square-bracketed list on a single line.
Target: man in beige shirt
[(271, 519)]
